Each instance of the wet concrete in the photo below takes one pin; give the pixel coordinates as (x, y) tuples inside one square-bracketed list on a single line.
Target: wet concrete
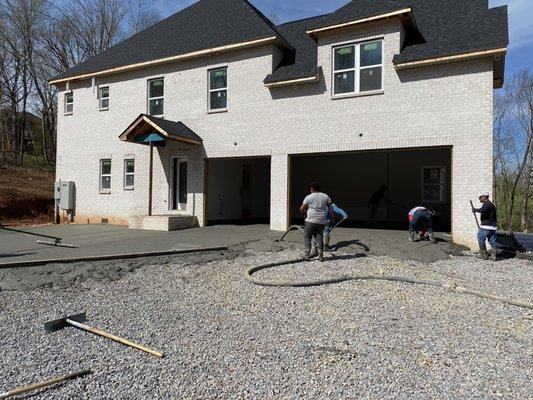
[(97, 240)]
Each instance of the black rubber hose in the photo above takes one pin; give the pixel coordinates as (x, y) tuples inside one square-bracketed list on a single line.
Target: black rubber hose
[(448, 286)]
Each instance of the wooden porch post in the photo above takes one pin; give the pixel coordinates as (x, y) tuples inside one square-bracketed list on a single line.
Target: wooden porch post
[(150, 178)]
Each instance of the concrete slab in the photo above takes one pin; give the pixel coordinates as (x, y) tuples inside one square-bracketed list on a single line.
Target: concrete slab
[(99, 240)]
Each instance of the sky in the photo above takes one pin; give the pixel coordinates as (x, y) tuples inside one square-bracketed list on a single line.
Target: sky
[(520, 53)]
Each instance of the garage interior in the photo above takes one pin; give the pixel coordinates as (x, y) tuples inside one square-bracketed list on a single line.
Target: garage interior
[(238, 191), (413, 177)]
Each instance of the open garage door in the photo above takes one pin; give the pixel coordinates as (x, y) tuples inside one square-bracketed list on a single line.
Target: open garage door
[(238, 191), (412, 178)]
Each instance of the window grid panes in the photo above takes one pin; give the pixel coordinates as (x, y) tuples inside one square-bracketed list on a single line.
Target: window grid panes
[(69, 103), (156, 92), (129, 173), (105, 174), (434, 184), (104, 98), (218, 89), (358, 68)]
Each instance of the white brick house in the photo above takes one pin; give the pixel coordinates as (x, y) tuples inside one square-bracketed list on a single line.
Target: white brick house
[(273, 111)]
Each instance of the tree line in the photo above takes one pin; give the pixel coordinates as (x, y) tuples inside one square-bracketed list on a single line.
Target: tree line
[(40, 39)]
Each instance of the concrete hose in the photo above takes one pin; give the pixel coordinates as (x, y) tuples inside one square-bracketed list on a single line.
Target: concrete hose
[(448, 286)]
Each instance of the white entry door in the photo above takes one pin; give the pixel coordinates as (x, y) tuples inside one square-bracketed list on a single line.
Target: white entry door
[(178, 183)]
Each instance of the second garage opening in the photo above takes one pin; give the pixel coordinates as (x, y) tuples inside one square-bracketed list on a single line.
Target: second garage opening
[(400, 179), (238, 191)]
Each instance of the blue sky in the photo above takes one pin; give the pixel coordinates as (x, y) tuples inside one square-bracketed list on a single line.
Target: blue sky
[(520, 20)]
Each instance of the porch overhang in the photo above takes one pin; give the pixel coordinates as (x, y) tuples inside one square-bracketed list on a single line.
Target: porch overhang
[(147, 129)]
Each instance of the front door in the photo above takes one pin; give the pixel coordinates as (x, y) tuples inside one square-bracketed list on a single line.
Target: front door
[(178, 184)]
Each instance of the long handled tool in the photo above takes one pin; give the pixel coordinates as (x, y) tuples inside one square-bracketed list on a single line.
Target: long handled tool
[(50, 382), (77, 321), (475, 215), (57, 241)]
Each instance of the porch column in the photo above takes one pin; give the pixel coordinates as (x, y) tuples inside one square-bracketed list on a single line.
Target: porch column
[(151, 179), (279, 192)]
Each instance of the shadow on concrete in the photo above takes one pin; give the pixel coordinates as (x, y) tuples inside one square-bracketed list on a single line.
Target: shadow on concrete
[(347, 243)]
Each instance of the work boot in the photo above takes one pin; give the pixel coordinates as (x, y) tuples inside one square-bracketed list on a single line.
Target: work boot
[(305, 256), (432, 238), (321, 256), (483, 254), (314, 252), (494, 254), (411, 236)]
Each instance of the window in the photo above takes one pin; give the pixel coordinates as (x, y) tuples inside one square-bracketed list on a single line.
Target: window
[(103, 97), (69, 103), (358, 68), (156, 92), (105, 175), (129, 173), (434, 184), (218, 89)]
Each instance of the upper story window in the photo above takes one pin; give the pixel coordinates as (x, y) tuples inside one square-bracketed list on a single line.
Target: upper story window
[(69, 103), (103, 98), (156, 92), (358, 68), (218, 89)]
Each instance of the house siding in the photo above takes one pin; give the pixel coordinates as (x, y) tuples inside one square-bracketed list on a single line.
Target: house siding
[(442, 105)]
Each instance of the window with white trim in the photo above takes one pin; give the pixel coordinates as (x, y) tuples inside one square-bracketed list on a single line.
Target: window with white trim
[(218, 89), (129, 173), (103, 98), (105, 174), (69, 103), (156, 93), (434, 184), (358, 68)]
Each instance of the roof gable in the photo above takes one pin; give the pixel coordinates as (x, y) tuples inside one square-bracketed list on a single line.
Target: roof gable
[(204, 25)]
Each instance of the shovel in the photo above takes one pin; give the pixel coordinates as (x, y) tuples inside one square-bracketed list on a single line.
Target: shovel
[(77, 321)]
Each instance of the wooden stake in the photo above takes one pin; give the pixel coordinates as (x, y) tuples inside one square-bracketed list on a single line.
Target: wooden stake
[(50, 382)]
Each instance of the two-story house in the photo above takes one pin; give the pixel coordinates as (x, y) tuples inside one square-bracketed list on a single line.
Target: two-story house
[(217, 113)]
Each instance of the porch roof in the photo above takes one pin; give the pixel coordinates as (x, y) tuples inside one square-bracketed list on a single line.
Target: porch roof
[(146, 128)]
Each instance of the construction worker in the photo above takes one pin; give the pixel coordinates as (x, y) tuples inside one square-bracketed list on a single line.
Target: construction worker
[(488, 228), (316, 206), (374, 202), (420, 222), (338, 215)]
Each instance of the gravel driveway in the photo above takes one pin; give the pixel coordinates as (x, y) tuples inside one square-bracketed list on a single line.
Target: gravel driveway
[(227, 339)]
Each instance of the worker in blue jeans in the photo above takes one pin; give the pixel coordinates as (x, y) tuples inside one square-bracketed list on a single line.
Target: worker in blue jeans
[(420, 221), (338, 215), (488, 228)]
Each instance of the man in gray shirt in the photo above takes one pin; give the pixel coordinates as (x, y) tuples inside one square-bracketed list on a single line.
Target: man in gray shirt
[(317, 206)]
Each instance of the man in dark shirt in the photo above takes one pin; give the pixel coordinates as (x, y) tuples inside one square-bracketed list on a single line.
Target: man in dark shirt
[(488, 228), (374, 202)]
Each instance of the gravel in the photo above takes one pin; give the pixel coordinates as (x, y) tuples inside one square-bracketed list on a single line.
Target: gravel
[(225, 338)]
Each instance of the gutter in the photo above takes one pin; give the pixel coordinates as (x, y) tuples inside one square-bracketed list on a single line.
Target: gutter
[(291, 82)]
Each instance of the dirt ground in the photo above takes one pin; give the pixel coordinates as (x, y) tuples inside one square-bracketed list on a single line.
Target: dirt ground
[(26, 196)]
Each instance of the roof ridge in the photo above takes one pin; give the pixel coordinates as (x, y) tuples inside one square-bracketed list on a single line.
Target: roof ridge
[(303, 19)]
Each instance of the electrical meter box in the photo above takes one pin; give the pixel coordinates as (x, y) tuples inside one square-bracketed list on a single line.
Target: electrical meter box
[(67, 195)]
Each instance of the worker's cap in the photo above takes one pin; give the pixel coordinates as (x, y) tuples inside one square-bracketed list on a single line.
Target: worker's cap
[(484, 194)]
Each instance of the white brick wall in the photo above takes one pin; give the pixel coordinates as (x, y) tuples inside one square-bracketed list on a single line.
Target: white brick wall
[(446, 105)]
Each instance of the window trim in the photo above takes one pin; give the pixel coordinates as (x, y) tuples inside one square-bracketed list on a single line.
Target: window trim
[(125, 186), (209, 90), (100, 108), (357, 68), (443, 185), (67, 103), (101, 175), (162, 78)]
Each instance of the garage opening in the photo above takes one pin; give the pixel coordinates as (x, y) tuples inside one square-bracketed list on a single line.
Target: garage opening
[(238, 191), (354, 180)]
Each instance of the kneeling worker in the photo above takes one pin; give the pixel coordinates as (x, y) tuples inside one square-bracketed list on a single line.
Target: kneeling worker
[(420, 221), (317, 205)]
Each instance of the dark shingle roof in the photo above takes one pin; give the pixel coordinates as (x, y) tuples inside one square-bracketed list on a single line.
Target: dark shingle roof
[(204, 25), (174, 128), (358, 9), (302, 63)]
